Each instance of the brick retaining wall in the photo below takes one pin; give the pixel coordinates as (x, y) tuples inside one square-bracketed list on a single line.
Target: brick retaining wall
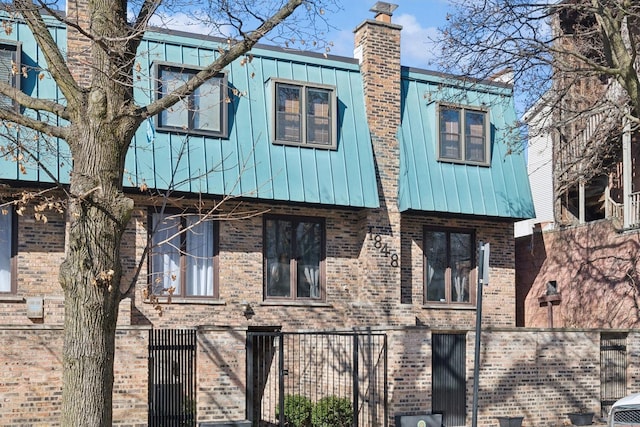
[(539, 374)]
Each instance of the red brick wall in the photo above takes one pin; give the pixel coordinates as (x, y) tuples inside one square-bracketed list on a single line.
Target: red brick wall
[(596, 269)]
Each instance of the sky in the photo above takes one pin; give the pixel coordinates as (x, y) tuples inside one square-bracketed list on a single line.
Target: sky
[(419, 19)]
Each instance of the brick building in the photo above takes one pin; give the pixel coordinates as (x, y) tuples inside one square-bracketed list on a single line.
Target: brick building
[(313, 217), (585, 248)]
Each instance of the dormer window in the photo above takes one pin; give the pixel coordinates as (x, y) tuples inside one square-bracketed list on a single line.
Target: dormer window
[(9, 71), (203, 112), (463, 135), (305, 115)]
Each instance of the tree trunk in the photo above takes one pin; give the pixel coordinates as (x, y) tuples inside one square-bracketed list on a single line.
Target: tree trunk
[(98, 214)]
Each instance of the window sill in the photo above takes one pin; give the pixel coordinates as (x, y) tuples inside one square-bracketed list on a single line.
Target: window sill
[(294, 303), (445, 306), (12, 298), (192, 131), (182, 300)]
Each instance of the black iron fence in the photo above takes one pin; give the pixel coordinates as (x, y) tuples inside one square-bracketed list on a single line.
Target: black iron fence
[(325, 378), (613, 369), (172, 377)]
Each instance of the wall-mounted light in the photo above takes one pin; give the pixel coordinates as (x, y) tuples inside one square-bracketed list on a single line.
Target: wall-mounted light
[(247, 310), (552, 287)]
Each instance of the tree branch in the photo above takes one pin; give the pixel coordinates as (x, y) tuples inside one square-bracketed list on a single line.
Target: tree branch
[(37, 125), (33, 103), (56, 62), (222, 61)]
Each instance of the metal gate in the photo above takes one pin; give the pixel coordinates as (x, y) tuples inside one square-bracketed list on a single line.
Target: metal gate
[(449, 378), (613, 369), (315, 373), (172, 377)]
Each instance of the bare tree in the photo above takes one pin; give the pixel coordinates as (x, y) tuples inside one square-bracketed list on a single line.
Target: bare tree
[(577, 56), (100, 116)]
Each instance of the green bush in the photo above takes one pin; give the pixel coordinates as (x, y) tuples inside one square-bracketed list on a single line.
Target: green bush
[(332, 411), (297, 411)]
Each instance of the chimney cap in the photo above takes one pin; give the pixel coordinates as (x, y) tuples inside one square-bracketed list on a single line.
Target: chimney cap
[(384, 8)]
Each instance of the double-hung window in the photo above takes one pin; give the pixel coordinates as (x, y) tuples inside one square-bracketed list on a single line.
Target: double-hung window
[(7, 251), (305, 115), (202, 112), (449, 260), (183, 255), (463, 135), (9, 71), (294, 249)]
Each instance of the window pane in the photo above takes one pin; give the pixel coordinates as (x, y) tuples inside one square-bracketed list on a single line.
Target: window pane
[(207, 106), (288, 113), (199, 257), (165, 260), (309, 247), (5, 252), (318, 116), (461, 256), (7, 75), (475, 136), (278, 253), (450, 134), (178, 115), (436, 265)]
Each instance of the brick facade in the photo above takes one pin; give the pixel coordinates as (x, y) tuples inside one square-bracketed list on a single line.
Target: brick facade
[(365, 288), (595, 268)]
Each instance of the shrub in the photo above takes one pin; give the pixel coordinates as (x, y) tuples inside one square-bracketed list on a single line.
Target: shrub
[(332, 411), (297, 410)]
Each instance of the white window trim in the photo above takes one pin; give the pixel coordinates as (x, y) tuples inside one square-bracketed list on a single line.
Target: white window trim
[(487, 136), (333, 104), (224, 109)]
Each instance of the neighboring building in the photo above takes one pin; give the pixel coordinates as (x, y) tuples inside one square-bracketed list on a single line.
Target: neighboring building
[(355, 195), (582, 270), (540, 169)]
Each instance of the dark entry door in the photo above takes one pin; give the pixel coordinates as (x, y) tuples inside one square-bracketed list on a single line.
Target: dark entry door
[(449, 378)]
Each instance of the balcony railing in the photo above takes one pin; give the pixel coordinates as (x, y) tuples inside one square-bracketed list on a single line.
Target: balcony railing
[(634, 209)]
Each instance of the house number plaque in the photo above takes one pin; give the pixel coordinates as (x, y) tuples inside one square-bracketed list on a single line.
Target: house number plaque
[(383, 248)]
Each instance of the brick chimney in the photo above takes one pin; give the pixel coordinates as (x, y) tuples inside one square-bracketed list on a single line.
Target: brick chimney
[(78, 46), (378, 49), (377, 44)]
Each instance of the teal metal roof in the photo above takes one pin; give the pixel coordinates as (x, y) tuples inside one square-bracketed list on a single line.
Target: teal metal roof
[(246, 163), (426, 184)]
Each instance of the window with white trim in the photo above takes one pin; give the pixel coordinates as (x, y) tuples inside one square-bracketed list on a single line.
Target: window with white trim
[(183, 255), (202, 112), (7, 250), (463, 135), (10, 71), (304, 115)]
